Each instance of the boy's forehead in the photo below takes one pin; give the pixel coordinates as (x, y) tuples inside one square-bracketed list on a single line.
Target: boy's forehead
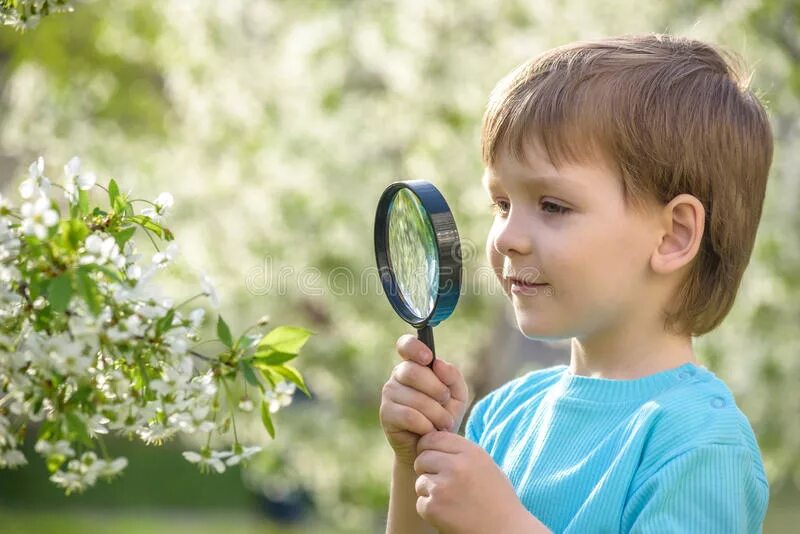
[(493, 176), (532, 166), (536, 170)]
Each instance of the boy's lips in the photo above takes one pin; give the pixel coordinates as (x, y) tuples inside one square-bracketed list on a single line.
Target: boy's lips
[(524, 281), (521, 287)]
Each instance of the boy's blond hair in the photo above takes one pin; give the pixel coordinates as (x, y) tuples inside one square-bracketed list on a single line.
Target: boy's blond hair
[(672, 116)]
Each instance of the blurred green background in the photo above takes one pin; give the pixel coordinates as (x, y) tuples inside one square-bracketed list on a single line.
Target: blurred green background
[(276, 125)]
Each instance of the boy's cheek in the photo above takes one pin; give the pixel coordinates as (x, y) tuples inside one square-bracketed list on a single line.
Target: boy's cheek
[(494, 258)]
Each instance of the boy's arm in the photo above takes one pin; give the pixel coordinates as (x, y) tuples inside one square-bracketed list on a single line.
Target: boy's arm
[(403, 517)]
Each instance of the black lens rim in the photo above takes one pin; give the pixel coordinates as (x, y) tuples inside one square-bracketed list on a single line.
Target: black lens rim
[(448, 248)]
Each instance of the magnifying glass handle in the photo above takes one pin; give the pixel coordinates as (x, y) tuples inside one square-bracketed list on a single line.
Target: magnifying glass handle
[(425, 334)]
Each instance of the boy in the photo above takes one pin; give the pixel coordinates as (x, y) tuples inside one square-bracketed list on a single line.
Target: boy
[(627, 177)]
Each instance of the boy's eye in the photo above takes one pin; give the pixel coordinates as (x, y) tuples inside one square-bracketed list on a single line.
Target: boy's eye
[(553, 208), (501, 207)]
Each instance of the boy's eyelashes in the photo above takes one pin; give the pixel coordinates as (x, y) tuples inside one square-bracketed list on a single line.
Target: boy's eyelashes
[(502, 207)]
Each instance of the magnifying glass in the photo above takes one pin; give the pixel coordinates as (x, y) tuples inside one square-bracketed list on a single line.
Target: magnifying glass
[(419, 255)]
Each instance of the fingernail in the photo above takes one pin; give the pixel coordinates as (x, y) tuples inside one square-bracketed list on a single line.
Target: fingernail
[(424, 356)]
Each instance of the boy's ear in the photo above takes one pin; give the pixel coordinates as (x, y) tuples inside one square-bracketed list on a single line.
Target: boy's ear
[(682, 224)]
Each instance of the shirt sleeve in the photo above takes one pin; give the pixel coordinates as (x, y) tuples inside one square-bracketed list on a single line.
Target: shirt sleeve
[(712, 488)]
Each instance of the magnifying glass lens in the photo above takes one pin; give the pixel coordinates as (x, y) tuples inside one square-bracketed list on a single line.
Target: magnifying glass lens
[(412, 253)]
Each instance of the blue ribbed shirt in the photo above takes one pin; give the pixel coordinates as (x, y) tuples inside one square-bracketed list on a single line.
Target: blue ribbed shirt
[(667, 452)]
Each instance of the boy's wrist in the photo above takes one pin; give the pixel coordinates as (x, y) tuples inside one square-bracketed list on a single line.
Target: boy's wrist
[(403, 517), (404, 464)]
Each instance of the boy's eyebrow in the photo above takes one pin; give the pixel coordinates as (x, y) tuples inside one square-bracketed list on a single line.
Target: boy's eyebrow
[(489, 179)]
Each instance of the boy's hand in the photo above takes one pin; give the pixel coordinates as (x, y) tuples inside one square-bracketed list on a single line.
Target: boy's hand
[(417, 399), (462, 490)]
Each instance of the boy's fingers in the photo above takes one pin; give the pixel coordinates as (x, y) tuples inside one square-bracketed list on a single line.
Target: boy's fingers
[(411, 348), (403, 395), (422, 379), (451, 377)]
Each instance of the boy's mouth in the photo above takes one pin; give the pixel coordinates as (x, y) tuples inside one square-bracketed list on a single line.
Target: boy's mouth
[(524, 283), (525, 287)]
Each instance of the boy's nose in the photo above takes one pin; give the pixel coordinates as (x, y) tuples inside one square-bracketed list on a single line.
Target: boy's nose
[(513, 236)]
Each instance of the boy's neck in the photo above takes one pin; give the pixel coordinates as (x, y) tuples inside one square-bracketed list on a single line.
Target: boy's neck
[(629, 354)]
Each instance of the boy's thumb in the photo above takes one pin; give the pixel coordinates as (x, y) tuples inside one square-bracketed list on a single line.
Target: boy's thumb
[(451, 377)]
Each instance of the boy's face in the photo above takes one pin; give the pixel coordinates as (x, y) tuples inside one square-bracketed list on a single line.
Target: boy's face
[(593, 257)]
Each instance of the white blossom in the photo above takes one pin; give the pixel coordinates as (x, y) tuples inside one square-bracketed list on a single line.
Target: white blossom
[(156, 433), (243, 454), (97, 425), (101, 251), (37, 185), (9, 241), (38, 216), (114, 467), (71, 481), (68, 356), (162, 204), (281, 396), (12, 458), (196, 317), (74, 180), (48, 448), (208, 458), (133, 272), (209, 290), (166, 256)]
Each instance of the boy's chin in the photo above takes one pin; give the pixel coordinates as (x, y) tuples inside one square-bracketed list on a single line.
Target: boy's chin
[(535, 328)]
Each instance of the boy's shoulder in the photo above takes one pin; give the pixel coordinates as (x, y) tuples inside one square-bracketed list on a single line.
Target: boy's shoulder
[(699, 412)]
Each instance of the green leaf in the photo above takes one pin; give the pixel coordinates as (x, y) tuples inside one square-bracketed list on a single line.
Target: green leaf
[(77, 427), (147, 222), (289, 339), (81, 395), (88, 290), (268, 376), (266, 418), (246, 341), (165, 322), (115, 200), (83, 201), (250, 375), (48, 429), (71, 233), (271, 357), (124, 235), (37, 285), (36, 403), (224, 333), (59, 291), (289, 372)]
